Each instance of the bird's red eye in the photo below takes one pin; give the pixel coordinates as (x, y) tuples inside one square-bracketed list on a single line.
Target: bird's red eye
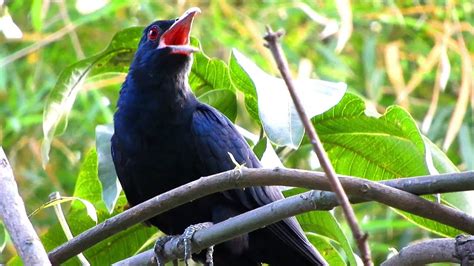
[(153, 33)]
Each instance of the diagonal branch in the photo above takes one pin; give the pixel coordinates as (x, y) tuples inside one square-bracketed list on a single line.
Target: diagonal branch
[(13, 214), (360, 189), (272, 39)]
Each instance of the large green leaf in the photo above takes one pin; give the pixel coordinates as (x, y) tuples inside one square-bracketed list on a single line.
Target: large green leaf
[(275, 106), (116, 58), (379, 148)]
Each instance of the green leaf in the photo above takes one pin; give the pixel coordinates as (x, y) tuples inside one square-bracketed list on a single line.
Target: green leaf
[(208, 73), (223, 100), (276, 109), (108, 178), (116, 58), (379, 148), (386, 147)]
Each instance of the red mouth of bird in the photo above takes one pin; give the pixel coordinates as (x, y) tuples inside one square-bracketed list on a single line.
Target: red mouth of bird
[(177, 37)]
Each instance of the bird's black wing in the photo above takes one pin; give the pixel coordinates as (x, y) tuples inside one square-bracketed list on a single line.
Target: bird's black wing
[(215, 137)]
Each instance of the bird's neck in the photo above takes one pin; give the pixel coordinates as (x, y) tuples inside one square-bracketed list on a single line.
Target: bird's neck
[(166, 94)]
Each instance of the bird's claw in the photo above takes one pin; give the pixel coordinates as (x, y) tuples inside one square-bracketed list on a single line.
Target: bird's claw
[(188, 235), (158, 248)]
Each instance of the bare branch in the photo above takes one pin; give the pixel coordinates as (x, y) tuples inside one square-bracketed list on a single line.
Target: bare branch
[(13, 214), (272, 39), (361, 189), (430, 251)]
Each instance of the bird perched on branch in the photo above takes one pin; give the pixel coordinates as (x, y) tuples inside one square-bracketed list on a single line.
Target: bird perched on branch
[(164, 137)]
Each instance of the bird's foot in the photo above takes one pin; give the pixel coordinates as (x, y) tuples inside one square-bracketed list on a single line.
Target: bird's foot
[(188, 235), (158, 248)]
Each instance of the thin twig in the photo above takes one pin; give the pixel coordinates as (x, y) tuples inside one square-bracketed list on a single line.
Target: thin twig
[(13, 214), (361, 189), (272, 39)]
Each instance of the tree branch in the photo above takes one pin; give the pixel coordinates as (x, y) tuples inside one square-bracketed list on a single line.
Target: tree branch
[(273, 44), (13, 214), (361, 189), (430, 251)]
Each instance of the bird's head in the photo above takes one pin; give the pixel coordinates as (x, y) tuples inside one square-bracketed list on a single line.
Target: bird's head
[(164, 48)]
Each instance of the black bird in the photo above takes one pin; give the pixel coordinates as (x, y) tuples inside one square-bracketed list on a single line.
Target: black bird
[(164, 137)]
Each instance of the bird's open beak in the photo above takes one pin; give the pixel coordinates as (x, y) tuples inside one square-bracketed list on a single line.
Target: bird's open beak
[(177, 36)]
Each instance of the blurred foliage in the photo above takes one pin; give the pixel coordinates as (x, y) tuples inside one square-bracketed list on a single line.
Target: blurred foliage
[(417, 54)]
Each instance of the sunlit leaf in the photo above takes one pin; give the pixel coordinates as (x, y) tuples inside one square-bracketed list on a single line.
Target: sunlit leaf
[(108, 178), (116, 58), (354, 141), (382, 148), (276, 109), (208, 73)]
